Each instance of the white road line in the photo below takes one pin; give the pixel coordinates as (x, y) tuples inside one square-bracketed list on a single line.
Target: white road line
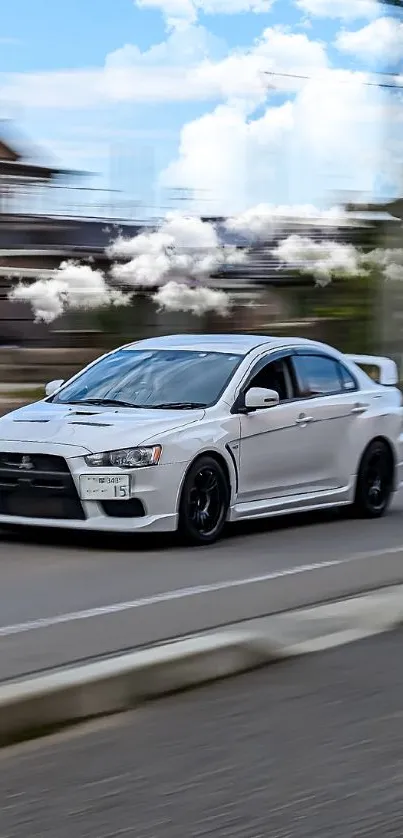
[(184, 593), (155, 599)]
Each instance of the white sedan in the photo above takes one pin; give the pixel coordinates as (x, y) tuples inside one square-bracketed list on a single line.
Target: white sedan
[(189, 432)]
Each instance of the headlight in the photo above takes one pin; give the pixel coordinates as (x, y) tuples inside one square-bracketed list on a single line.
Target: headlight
[(126, 458)]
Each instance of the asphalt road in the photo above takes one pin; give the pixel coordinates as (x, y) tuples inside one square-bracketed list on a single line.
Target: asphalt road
[(68, 598), (310, 748)]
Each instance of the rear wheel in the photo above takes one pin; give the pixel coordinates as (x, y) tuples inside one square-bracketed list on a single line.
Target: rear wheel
[(374, 482), (204, 502)]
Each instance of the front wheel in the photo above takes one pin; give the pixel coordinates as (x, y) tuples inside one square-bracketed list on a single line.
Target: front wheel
[(374, 482), (204, 502)]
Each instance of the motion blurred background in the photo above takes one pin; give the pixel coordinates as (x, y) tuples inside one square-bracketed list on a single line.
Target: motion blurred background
[(50, 213)]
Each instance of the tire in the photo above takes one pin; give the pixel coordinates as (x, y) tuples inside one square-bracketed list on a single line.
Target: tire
[(204, 502), (374, 486)]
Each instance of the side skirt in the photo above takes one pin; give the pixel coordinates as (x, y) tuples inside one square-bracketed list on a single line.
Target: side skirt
[(295, 503)]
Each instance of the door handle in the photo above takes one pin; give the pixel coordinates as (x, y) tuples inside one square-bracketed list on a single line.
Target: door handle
[(359, 408), (304, 420)]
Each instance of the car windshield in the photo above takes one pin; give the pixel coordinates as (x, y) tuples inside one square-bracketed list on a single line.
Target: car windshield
[(153, 379)]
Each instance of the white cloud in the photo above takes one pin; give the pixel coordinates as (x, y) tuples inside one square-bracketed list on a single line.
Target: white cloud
[(175, 11), (183, 249), (323, 260), (232, 7), (83, 89), (55, 89), (178, 70), (178, 12), (72, 287), (253, 147), (218, 150), (243, 74), (390, 261), (182, 67), (263, 220), (176, 262), (328, 135), (343, 9), (327, 259), (182, 47), (175, 296), (164, 72), (381, 40)]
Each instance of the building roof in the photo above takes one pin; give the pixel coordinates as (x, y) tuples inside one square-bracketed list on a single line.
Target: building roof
[(32, 171), (17, 163), (8, 153)]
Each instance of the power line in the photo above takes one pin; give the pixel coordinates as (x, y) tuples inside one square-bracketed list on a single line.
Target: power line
[(309, 78)]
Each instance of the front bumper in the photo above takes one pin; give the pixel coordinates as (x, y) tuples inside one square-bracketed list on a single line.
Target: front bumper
[(100, 523), (152, 507), (399, 464)]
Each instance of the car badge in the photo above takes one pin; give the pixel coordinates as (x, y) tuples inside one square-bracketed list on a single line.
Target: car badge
[(26, 462)]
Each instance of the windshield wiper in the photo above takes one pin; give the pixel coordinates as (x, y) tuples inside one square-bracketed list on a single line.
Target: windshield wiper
[(118, 403), (176, 406), (105, 402)]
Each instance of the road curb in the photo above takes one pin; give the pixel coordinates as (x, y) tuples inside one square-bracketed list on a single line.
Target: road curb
[(30, 707), (42, 704)]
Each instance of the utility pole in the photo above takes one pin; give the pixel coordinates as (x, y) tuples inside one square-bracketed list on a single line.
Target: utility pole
[(389, 337)]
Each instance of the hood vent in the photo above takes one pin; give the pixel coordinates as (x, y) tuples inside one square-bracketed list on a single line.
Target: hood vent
[(92, 424), (83, 413), (33, 421)]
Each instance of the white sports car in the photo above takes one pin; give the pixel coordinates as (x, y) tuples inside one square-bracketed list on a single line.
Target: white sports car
[(191, 431)]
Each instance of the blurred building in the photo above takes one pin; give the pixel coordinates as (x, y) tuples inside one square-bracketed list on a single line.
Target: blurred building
[(19, 177), (389, 301), (34, 241)]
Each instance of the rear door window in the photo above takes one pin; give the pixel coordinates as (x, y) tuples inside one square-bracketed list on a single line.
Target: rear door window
[(317, 375), (347, 380)]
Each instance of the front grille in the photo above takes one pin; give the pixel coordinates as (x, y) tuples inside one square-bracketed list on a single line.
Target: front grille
[(38, 486), (37, 462)]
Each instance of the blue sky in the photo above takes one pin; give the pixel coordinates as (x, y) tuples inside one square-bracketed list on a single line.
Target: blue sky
[(158, 94)]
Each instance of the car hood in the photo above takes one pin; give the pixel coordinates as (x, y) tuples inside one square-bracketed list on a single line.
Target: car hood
[(90, 429)]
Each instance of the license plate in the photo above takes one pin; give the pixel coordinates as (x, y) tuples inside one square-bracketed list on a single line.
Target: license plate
[(104, 487)]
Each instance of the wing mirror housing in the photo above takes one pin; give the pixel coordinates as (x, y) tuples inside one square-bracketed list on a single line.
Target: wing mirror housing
[(54, 386), (258, 398)]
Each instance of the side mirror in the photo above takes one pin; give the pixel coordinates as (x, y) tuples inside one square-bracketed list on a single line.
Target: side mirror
[(258, 398), (53, 386)]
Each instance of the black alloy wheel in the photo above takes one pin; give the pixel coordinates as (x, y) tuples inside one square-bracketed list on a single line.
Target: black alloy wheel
[(375, 481), (204, 502)]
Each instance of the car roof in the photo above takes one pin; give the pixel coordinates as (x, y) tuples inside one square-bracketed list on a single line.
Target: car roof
[(236, 344)]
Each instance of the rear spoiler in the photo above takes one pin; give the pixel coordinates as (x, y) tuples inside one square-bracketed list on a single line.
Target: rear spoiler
[(387, 374)]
